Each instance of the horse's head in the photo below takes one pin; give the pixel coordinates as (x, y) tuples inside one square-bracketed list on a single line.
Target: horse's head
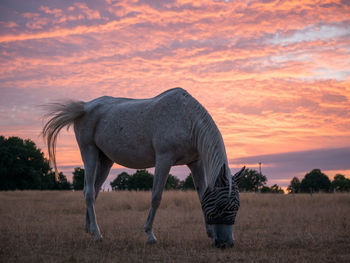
[(220, 206)]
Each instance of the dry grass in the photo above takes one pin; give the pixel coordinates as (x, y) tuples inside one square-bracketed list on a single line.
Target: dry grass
[(49, 227)]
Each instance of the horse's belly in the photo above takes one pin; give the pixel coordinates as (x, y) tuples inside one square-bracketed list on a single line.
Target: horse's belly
[(132, 154), (134, 159)]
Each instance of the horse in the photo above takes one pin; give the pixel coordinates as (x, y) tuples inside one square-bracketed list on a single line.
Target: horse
[(170, 129)]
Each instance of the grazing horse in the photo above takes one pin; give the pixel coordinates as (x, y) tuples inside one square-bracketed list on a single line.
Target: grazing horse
[(170, 129)]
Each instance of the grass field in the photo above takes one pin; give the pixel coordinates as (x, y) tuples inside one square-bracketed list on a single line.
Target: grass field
[(49, 227)]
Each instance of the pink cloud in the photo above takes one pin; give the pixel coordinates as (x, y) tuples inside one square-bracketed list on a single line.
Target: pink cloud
[(89, 13), (55, 11), (8, 24)]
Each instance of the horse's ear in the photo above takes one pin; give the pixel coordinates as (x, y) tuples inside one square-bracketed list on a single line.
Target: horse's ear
[(238, 176), (222, 179)]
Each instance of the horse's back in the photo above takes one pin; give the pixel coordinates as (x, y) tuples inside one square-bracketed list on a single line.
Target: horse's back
[(171, 96), (159, 108), (132, 132)]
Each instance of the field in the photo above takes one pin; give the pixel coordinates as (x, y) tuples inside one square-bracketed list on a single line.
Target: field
[(49, 227)]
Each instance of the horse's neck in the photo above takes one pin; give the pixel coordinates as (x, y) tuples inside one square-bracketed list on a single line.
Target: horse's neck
[(213, 156), (208, 142)]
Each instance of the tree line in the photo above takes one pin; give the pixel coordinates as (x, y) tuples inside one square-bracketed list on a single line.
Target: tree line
[(23, 166), (143, 180), (316, 181), (252, 181)]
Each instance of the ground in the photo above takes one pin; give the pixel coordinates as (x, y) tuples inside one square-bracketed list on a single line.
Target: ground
[(44, 226)]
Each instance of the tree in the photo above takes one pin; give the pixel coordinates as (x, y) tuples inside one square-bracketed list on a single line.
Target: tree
[(341, 183), (315, 181), (265, 189), (78, 178), (62, 183), (141, 180), (172, 183), (48, 182), (252, 180), (22, 164), (294, 186), (120, 182), (275, 189), (188, 183)]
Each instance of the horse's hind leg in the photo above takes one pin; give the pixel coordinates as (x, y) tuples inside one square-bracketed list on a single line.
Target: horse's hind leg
[(163, 165), (90, 158), (104, 165)]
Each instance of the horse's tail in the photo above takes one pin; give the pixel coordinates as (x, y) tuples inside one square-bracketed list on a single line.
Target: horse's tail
[(61, 115)]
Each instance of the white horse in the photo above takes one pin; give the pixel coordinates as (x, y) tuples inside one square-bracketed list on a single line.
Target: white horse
[(169, 129)]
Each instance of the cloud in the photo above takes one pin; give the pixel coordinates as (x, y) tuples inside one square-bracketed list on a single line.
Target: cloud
[(8, 24), (334, 98), (312, 33)]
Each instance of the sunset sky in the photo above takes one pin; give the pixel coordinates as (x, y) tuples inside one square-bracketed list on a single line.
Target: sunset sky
[(274, 75)]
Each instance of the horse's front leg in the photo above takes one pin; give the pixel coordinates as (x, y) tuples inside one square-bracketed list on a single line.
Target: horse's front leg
[(197, 171), (163, 165), (87, 219)]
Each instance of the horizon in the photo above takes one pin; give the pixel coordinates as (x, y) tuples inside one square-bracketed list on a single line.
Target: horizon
[(274, 75)]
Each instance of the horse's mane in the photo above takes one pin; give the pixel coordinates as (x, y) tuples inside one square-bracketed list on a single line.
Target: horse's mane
[(208, 140)]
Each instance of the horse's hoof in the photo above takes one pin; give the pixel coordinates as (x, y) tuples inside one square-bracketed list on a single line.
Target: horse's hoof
[(97, 238), (223, 245), (151, 241), (151, 238)]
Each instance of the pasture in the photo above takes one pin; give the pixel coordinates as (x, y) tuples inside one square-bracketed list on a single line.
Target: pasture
[(44, 226)]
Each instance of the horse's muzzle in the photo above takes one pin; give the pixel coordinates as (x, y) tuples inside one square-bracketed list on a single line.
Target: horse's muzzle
[(223, 245), (223, 236)]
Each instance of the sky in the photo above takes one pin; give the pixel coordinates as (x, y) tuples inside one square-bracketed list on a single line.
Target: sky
[(274, 75)]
